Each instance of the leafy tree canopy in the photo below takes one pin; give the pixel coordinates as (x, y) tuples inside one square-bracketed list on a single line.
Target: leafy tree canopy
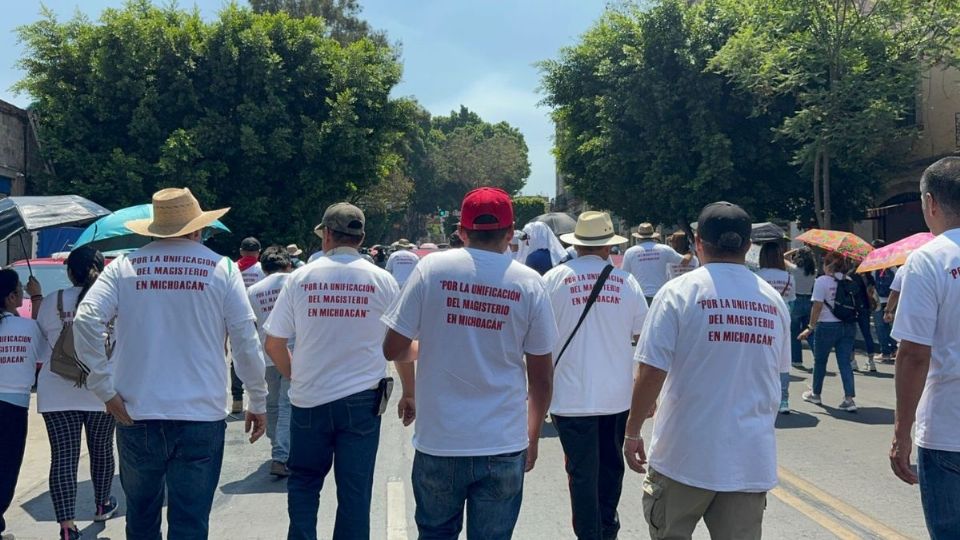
[(643, 129), (260, 112)]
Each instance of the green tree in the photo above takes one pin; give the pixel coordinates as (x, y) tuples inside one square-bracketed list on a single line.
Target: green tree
[(343, 21), (526, 208), (262, 113), (853, 67), (643, 130)]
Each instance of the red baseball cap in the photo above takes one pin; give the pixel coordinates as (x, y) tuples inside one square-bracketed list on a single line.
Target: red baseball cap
[(493, 205)]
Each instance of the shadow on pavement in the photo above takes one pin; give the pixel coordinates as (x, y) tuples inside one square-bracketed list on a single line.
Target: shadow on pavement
[(796, 420), (797, 378), (871, 416), (876, 375), (259, 481), (40, 508), (93, 531)]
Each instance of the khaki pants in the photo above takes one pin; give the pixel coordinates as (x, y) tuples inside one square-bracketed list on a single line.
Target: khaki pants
[(672, 510)]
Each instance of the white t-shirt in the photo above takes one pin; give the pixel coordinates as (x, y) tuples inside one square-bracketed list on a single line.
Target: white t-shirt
[(722, 334), (897, 283), (315, 256), (252, 275), (675, 270), (54, 393), (595, 374), (825, 290), (263, 295), (648, 263), (178, 299), (333, 306), (21, 343), (782, 281), (401, 264), (475, 313), (927, 315)]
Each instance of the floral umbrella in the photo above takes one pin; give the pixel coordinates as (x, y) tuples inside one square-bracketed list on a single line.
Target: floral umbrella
[(894, 254), (847, 244)]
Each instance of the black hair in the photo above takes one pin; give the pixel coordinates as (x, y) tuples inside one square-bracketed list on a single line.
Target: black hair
[(680, 242), (84, 265), (878, 243), (730, 244), (803, 258), (487, 236), (275, 259), (942, 180), (771, 256), (9, 280), (455, 240)]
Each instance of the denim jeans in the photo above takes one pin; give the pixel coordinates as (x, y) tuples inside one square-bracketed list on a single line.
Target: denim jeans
[(343, 434), (863, 321), (179, 459), (784, 387), (593, 453), (491, 487), (939, 473), (831, 336), (799, 319), (278, 414), (887, 344)]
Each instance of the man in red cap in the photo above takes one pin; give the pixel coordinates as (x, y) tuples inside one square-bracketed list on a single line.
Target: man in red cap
[(479, 406)]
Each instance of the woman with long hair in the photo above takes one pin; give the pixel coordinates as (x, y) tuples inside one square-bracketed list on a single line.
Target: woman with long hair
[(804, 276), (69, 409), (21, 347), (773, 270), (832, 333)]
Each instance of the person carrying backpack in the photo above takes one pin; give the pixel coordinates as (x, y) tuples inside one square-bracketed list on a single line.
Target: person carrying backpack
[(833, 322)]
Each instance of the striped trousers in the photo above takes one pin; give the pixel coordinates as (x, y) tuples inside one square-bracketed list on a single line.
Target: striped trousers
[(64, 431)]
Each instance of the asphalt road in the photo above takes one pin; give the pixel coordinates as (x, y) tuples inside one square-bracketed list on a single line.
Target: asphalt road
[(835, 482)]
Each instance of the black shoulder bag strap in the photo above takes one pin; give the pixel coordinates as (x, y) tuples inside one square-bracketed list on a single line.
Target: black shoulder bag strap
[(597, 287)]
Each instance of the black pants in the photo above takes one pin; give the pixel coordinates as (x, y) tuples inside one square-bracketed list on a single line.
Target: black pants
[(13, 426), (593, 448), (65, 430), (236, 386)]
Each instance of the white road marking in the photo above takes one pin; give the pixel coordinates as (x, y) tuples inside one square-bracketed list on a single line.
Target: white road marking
[(396, 510)]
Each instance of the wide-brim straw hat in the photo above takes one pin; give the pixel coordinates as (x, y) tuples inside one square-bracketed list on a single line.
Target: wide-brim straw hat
[(294, 251), (646, 231), (405, 244), (176, 212), (594, 229)]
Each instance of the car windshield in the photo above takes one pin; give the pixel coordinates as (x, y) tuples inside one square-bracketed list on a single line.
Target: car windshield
[(52, 277)]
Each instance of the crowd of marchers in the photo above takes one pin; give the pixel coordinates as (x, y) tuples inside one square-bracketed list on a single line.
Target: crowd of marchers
[(485, 347)]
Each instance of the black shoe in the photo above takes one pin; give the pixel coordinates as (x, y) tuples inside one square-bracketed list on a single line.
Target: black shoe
[(70, 534), (106, 510)]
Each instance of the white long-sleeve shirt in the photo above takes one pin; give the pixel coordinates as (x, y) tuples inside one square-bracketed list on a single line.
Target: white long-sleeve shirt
[(175, 302)]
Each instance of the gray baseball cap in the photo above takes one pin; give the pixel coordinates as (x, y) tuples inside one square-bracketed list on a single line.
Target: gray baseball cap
[(343, 218)]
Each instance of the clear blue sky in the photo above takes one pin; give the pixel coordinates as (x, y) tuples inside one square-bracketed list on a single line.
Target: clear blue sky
[(479, 53)]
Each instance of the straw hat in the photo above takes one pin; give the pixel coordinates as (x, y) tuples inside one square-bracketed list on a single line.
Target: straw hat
[(176, 212), (593, 229), (646, 232), (294, 250), (403, 243)]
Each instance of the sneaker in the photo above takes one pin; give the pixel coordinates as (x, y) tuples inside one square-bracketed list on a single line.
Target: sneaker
[(7, 536), (279, 468), (784, 407), (848, 405), (871, 365), (886, 359), (70, 534), (855, 365), (810, 397), (106, 510), (798, 365), (237, 406)]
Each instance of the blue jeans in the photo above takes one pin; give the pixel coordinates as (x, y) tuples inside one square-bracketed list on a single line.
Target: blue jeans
[(278, 414), (178, 458), (799, 319), (830, 336), (343, 434), (939, 474), (887, 344), (863, 321), (491, 487), (785, 387)]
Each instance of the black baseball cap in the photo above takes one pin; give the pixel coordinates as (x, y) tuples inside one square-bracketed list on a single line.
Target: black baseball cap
[(720, 218), (250, 244)]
